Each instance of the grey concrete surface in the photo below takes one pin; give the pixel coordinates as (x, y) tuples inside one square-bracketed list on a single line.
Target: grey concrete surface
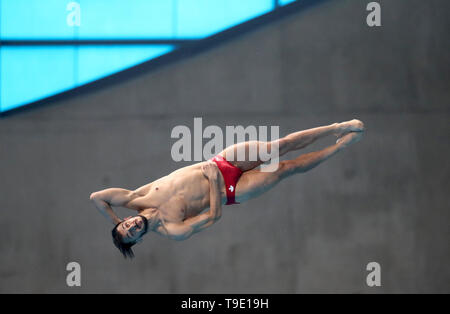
[(386, 199)]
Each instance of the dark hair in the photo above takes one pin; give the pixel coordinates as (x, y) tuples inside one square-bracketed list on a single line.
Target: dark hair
[(125, 248)]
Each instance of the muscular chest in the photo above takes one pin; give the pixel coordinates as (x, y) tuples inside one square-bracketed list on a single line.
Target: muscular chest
[(168, 199), (183, 194)]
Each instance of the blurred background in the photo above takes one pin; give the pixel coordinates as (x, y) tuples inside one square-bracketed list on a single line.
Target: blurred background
[(91, 90)]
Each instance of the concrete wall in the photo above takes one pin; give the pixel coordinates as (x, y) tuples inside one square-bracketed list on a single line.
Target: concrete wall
[(385, 199)]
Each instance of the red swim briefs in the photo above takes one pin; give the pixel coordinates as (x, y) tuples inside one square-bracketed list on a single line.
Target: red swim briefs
[(231, 175)]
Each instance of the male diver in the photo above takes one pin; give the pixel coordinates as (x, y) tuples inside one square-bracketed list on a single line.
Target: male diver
[(190, 199)]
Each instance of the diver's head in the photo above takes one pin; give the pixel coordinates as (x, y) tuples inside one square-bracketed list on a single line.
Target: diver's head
[(128, 232)]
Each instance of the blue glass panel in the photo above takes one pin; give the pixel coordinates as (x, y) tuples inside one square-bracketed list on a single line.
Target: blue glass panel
[(98, 61), (199, 18), (30, 73), (40, 19), (126, 19), (24, 70), (284, 2), (47, 19), (34, 19)]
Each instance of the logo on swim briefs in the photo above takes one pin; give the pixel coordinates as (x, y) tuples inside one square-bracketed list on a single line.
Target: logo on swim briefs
[(188, 142), (231, 188)]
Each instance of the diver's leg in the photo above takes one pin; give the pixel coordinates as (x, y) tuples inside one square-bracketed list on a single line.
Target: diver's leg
[(308, 161), (301, 139), (248, 155), (255, 182)]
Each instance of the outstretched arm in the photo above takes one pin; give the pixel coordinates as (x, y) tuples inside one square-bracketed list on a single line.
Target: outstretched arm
[(103, 200)]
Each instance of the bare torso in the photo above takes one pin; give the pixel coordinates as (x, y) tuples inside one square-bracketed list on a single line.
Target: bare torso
[(182, 194)]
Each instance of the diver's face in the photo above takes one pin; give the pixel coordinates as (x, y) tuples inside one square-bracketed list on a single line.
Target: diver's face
[(131, 229)]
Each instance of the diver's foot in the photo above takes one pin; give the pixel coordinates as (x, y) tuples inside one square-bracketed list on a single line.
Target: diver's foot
[(346, 127), (349, 139)]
